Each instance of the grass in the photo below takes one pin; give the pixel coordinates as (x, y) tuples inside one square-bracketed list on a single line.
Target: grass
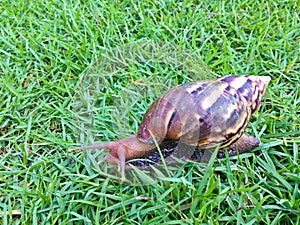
[(47, 45)]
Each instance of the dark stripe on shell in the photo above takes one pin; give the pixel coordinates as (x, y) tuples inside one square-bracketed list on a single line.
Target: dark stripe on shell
[(172, 118), (197, 90), (256, 99), (246, 88), (228, 79)]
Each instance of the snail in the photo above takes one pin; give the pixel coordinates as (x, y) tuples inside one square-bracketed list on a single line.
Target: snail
[(204, 114)]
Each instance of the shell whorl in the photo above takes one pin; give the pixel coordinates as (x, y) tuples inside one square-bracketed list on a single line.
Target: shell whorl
[(204, 113), (252, 88)]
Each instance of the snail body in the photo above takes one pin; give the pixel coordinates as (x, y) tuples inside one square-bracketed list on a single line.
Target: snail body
[(204, 114)]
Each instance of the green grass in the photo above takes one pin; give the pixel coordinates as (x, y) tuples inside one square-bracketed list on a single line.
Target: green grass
[(45, 47)]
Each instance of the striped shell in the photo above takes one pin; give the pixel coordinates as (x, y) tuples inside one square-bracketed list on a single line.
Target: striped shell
[(204, 113)]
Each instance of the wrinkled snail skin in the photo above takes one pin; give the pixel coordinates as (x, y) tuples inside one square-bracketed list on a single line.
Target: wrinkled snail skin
[(202, 113)]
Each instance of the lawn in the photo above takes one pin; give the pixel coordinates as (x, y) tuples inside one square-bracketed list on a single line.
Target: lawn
[(48, 48)]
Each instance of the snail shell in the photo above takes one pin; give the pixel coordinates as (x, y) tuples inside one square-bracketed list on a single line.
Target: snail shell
[(204, 113)]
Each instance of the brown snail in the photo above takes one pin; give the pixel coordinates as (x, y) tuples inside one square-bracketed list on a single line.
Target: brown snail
[(202, 113)]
